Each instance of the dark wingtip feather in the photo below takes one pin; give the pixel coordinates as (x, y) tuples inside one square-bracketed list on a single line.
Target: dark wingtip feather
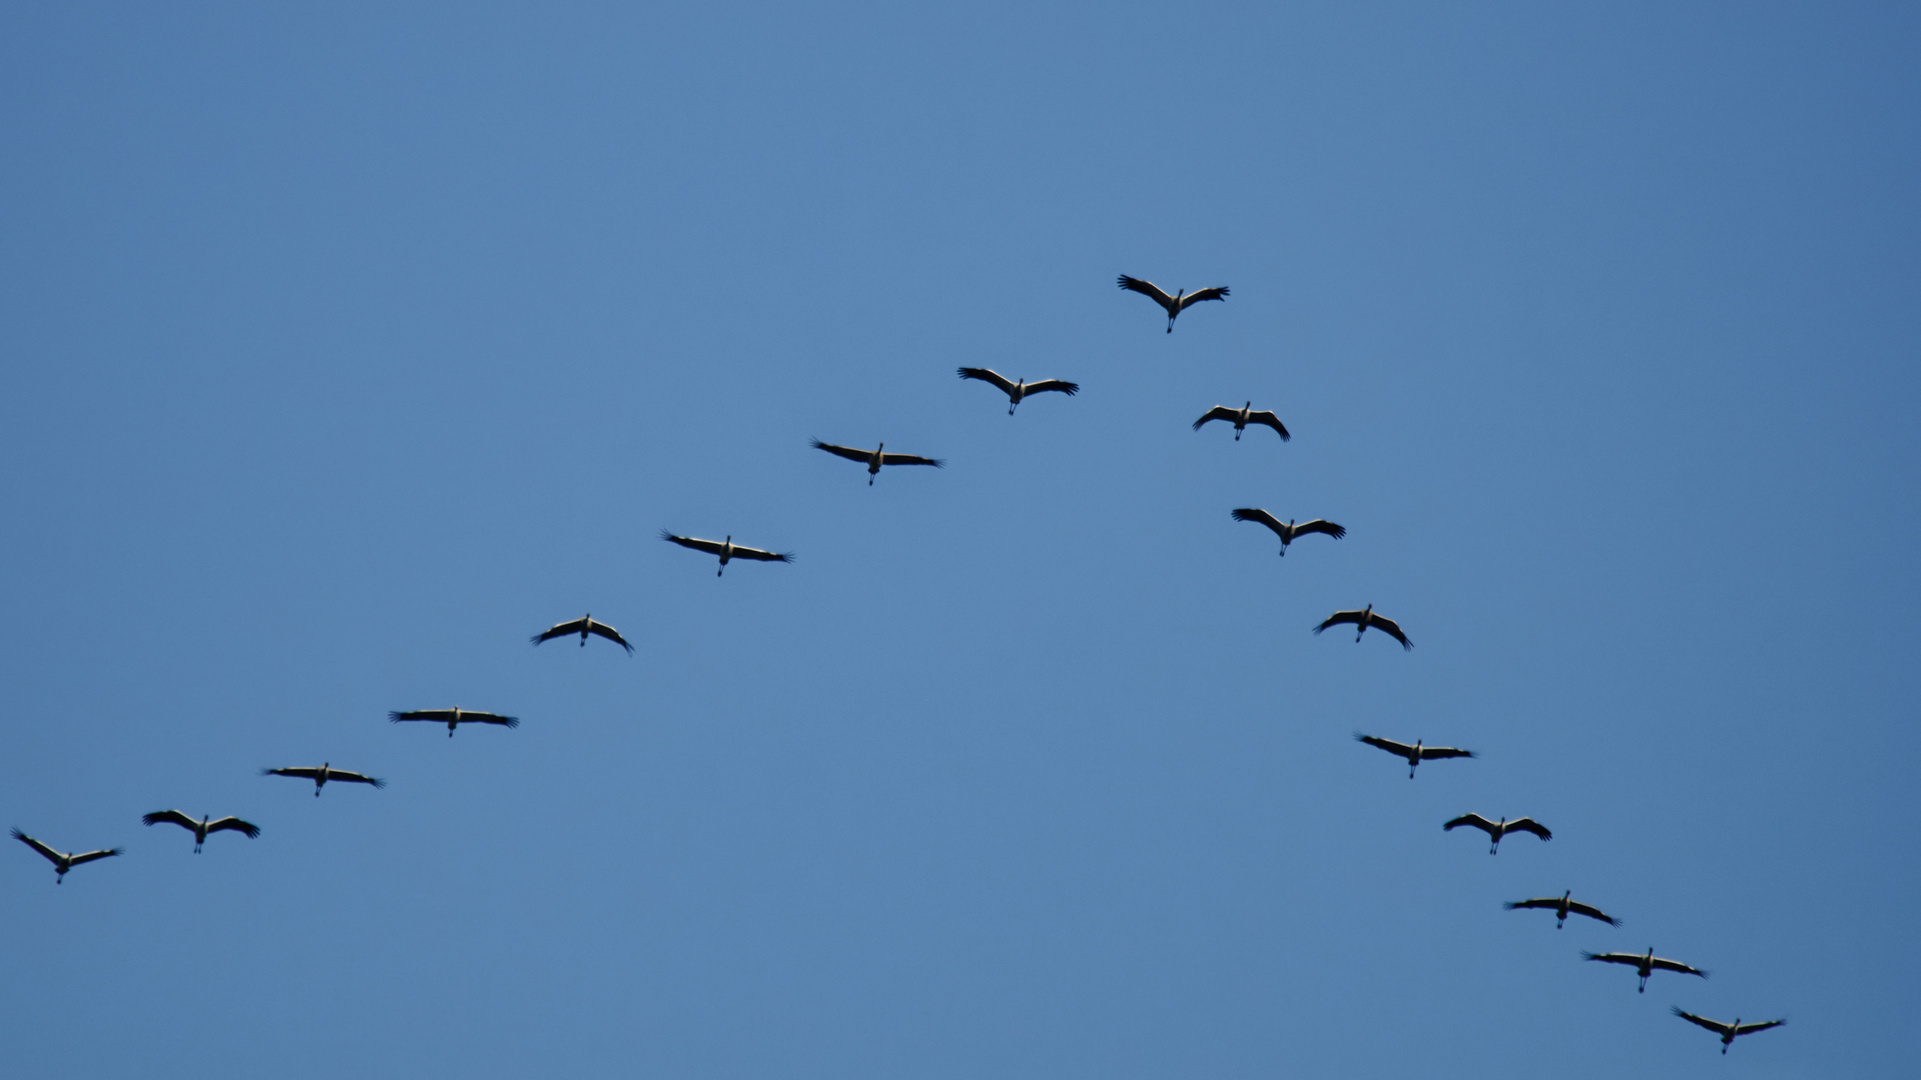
[(153, 818), (512, 721), (376, 781), (393, 717), (666, 534)]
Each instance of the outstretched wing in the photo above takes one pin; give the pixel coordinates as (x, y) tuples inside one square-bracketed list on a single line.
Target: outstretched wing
[(987, 375), (1338, 618), (711, 547), (1046, 385), (763, 556), (173, 817), (354, 778), (910, 459), (1149, 290), (1476, 821), (1575, 907), (572, 626), (439, 716), (847, 452), (90, 856), (1630, 959), (1749, 1029), (1435, 753), (1528, 824), (489, 718), (1216, 293), (1661, 964), (1546, 903), (52, 855), (305, 772), (1320, 525), (1270, 420), (1391, 629), (251, 831), (610, 634), (1260, 517), (1218, 412), (1715, 1026), (1389, 745)]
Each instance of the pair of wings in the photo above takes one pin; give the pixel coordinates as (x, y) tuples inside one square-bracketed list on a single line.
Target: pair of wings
[(1153, 292), (1222, 412), (1634, 960), (312, 772), (1498, 830), (598, 628), (1382, 623), (1428, 753), (1553, 903), (1719, 1028), (867, 456), (441, 716), (714, 547), (175, 817), (55, 856), (1285, 531), (1006, 385)]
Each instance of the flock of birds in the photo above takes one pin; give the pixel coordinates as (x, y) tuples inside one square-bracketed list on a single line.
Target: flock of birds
[(1364, 619)]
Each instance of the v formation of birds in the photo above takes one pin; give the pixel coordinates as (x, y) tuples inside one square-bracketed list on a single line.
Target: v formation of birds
[(1017, 391)]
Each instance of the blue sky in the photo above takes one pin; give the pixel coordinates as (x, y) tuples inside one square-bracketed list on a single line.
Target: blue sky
[(346, 347)]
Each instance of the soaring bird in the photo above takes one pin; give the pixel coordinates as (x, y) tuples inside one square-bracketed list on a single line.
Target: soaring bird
[(726, 549), (1365, 619), (1290, 532), (1020, 388), (1242, 417), (455, 717), (583, 626), (1646, 965), (1174, 304), (62, 862), (201, 828), (1562, 908), (1414, 754), (321, 775), (1498, 829), (874, 459), (1728, 1032)]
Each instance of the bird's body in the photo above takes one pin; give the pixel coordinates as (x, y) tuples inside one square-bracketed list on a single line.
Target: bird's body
[(1728, 1032), (874, 458), (726, 549), (1364, 619), (1646, 964), (202, 828), (454, 717), (583, 626), (323, 773), (1175, 304), (1242, 417), (1019, 389), (63, 861), (1288, 532), (1498, 829), (1414, 754), (1562, 907)]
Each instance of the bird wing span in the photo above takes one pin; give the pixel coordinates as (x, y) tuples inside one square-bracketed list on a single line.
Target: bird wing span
[(1550, 903), (910, 459), (711, 547), (1219, 292), (1321, 525), (1630, 959), (1527, 824), (354, 778), (572, 626), (491, 718), (248, 828), (1046, 385), (1338, 618), (90, 856), (763, 556), (847, 452), (1149, 290), (1218, 412), (1391, 629), (1578, 908), (305, 772), (36, 845), (1270, 420), (1260, 517), (987, 375), (437, 715), (1475, 820), (1389, 745), (173, 817), (1715, 1026), (1749, 1029), (1660, 964), (1434, 753), (610, 634)]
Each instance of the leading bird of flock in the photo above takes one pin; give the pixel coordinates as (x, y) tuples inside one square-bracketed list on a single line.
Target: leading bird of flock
[(1175, 304), (583, 626), (1728, 1032), (1020, 388), (1645, 964), (454, 717), (874, 459), (1289, 532), (203, 827), (1414, 754), (1562, 908), (1365, 619), (63, 862), (324, 773), (726, 549), (1498, 829), (1242, 417)]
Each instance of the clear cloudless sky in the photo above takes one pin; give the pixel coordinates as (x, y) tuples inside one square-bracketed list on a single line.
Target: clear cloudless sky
[(343, 346)]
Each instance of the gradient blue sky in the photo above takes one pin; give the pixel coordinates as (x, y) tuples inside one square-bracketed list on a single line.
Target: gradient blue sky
[(346, 346)]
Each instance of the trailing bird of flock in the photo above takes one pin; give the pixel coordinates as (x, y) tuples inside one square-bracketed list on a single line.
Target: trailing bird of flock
[(1017, 391)]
